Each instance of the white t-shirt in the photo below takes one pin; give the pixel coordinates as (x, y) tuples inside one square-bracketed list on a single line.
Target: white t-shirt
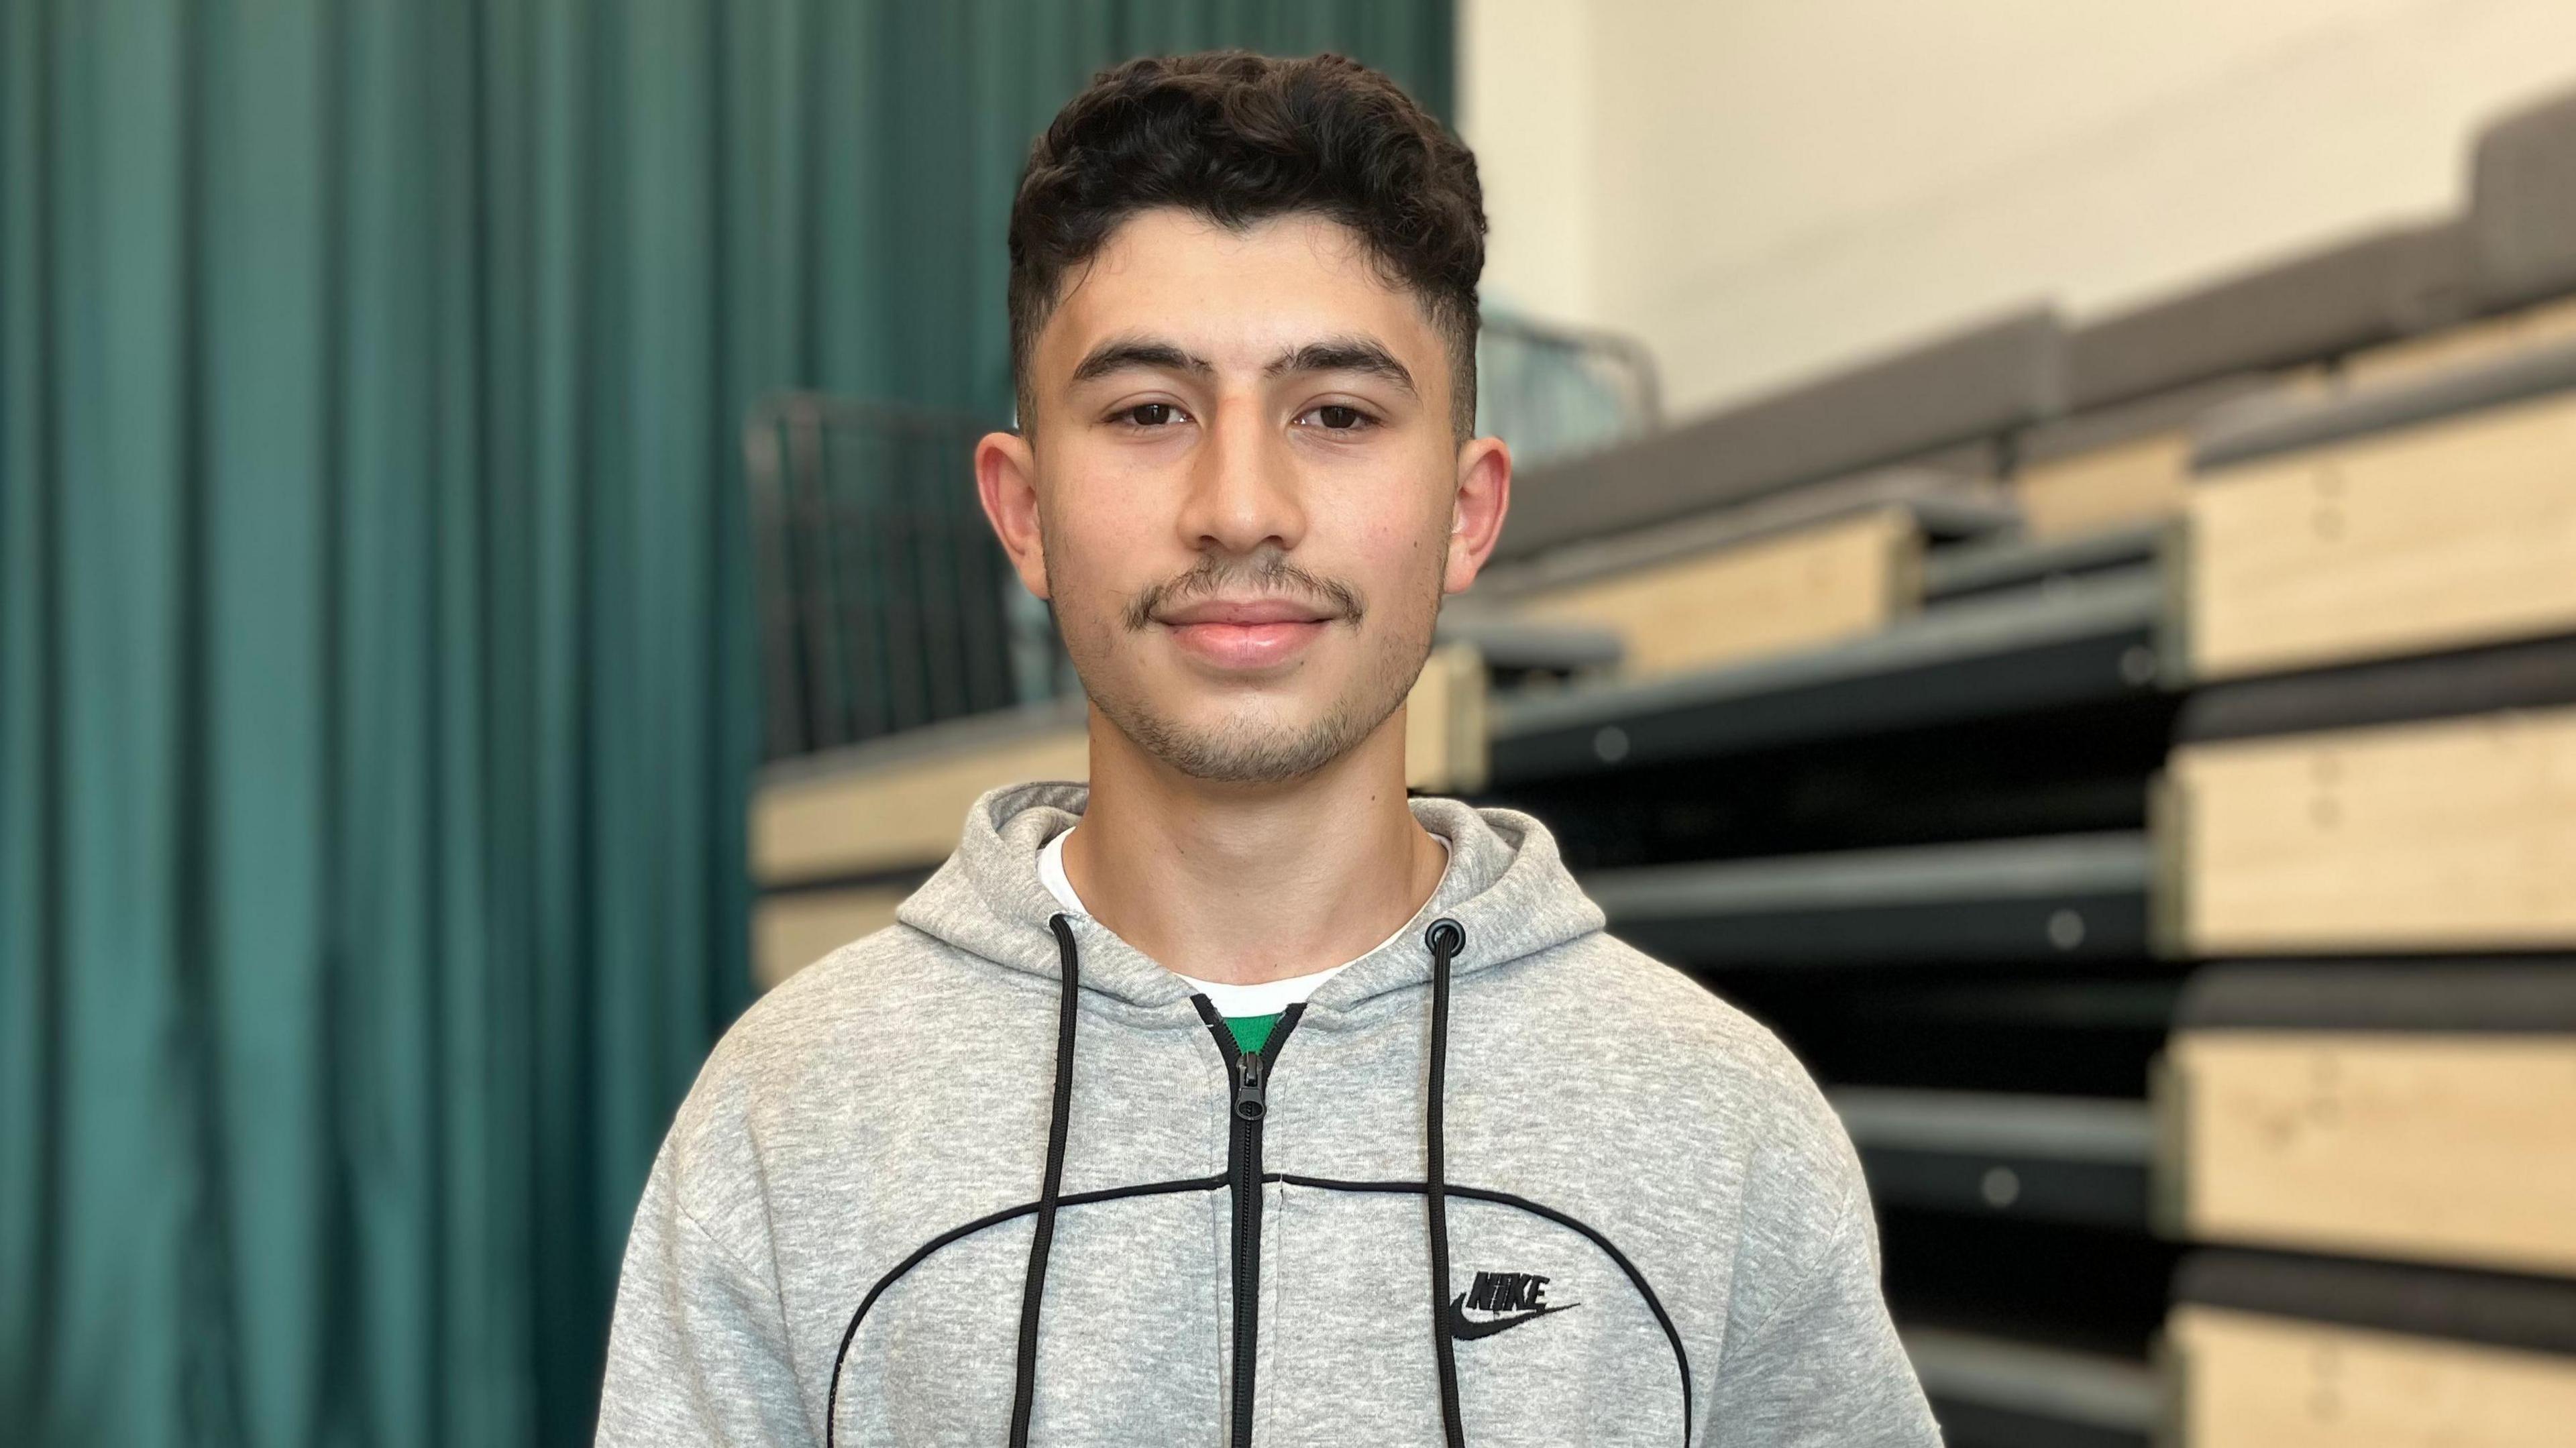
[(1266, 999)]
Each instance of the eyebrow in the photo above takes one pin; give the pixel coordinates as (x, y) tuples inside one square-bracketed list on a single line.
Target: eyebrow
[(1120, 353), (1331, 354), (1343, 354)]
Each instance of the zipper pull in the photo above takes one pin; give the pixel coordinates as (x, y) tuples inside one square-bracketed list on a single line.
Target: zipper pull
[(1251, 1093)]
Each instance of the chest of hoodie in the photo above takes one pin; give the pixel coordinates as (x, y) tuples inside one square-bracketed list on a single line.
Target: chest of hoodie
[(1577, 1299)]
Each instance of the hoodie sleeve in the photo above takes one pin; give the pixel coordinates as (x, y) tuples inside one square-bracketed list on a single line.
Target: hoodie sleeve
[(1824, 1367), (698, 1350)]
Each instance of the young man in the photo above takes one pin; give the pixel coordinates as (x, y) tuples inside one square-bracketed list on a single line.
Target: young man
[(1237, 1097)]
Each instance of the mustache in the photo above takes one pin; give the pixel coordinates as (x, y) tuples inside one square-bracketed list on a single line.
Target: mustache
[(1271, 576)]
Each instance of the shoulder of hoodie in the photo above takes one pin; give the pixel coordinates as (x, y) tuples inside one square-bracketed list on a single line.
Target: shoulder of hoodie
[(1718, 1085), (1728, 1107), (1597, 997), (892, 989)]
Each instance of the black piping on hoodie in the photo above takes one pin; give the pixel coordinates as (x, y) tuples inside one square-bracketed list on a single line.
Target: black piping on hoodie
[(1248, 1078)]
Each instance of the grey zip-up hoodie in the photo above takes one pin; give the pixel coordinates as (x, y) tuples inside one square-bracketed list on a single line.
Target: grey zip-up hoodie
[(991, 1176)]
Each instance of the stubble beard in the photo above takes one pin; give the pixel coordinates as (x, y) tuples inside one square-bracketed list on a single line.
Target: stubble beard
[(1251, 747)]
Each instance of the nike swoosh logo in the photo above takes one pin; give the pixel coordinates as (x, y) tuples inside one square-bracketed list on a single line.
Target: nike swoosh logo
[(1461, 1330)]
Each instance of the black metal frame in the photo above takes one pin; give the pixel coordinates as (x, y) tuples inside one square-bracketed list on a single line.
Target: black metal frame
[(881, 590), (2078, 898), (2078, 1161), (2085, 640)]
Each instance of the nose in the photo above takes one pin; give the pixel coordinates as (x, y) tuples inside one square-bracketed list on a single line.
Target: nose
[(1242, 487)]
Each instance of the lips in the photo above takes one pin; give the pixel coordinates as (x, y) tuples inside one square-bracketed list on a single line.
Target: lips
[(1250, 611), (1254, 634)]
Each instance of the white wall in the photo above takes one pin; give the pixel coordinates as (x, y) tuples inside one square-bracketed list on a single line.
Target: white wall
[(1762, 189), (1526, 105)]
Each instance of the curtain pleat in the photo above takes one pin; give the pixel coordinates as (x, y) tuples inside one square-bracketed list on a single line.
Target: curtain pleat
[(376, 678)]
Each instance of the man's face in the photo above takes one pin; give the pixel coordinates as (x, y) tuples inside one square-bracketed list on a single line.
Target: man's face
[(1245, 486)]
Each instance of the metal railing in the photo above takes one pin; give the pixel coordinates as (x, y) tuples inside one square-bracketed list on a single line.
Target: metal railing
[(885, 603), (1555, 392)]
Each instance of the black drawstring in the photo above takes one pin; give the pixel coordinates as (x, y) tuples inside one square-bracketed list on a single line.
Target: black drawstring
[(1446, 937), (1024, 1387)]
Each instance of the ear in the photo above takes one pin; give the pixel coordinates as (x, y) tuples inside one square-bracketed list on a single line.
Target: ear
[(1006, 478), (1476, 514)]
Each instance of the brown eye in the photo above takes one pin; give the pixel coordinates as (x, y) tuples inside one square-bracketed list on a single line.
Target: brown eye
[(1151, 414), (1338, 417)]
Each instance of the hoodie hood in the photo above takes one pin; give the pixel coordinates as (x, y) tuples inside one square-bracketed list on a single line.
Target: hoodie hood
[(1505, 896), (1505, 885)]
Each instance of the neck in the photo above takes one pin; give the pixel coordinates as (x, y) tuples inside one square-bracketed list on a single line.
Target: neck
[(1246, 883)]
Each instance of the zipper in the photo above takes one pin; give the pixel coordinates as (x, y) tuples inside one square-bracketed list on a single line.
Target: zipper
[(1248, 1080)]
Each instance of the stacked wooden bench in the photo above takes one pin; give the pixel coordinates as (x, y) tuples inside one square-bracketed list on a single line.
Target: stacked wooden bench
[(2371, 818), (1778, 525), (2497, 279), (2277, 1351), (1824, 595), (2321, 518)]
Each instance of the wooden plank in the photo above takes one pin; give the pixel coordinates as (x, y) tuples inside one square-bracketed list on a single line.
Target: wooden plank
[(836, 824), (1445, 726), (2141, 479), (2457, 834), (2251, 1380), (1950, 499), (792, 931), (2469, 345), (2452, 1147), (2443, 535), (1772, 595)]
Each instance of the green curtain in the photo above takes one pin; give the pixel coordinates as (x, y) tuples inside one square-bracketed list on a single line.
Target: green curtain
[(376, 700)]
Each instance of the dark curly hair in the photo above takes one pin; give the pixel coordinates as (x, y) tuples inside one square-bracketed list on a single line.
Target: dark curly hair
[(1239, 138)]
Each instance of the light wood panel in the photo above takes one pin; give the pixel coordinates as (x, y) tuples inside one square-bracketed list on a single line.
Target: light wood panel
[(859, 821), (1788, 591), (2438, 536), (2455, 834), (2438, 1147), (790, 932), (2137, 481), (2486, 340), (1444, 722), (2251, 1380)]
